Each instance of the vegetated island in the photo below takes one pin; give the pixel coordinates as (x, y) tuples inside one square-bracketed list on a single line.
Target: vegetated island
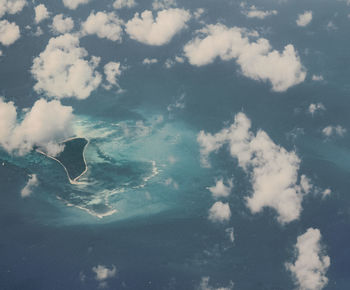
[(72, 158)]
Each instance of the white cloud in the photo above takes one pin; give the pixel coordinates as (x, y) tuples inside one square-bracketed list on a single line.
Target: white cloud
[(61, 24), (104, 25), (253, 12), (273, 170), (149, 61), (11, 6), (304, 18), (326, 193), (317, 78), (198, 13), (314, 108), (32, 182), (204, 285), (9, 32), (44, 126), (112, 71), (119, 4), (219, 212), (334, 130), (256, 59), (38, 31), (103, 273), (61, 69), (163, 4), (144, 28), (41, 13), (311, 265), (73, 4), (220, 189)]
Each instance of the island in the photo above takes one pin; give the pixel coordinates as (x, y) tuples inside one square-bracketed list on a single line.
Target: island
[(72, 158)]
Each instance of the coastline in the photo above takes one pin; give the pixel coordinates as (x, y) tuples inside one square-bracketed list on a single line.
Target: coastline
[(75, 180)]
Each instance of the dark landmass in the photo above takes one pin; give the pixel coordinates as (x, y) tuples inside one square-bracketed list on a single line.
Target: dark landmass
[(72, 157)]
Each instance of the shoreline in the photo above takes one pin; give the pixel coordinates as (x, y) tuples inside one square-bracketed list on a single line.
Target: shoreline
[(75, 180)]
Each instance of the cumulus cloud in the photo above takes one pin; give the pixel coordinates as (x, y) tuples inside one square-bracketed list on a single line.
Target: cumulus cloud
[(104, 25), (231, 234), (254, 12), (314, 108), (31, 184), (61, 70), (11, 6), (103, 273), (333, 131), (163, 4), (204, 285), (220, 189), (256, 59), (272, 169), (44, 126), (311, 265), (61, 24), (119, 4), (159, 31), (41, 13), (219, 212), (112, 71), (9, 32), (304, 19), (73, 4)]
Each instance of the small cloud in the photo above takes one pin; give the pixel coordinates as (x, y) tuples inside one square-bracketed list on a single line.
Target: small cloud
[(32, 183), (220, 189), (219, 212), (119, 4), (326, 193), (317, 78), (171, 182), (61, 24), (73, 4), (311, 264), (112, 71), (304, 19), (230, 234), (103, 273), (41, 13), (149, 61), (163, 4), (204, 285), (314, 108), (198, 13), (334, 131), (331, 26), (254, 12), (9, 32)]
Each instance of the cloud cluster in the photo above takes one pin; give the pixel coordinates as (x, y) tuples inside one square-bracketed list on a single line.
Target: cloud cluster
[(220, 189), (61, 24), (11, 6), (9, 32), (112, 71), (73, 4), (273, 170), (253, 12), (61, 70), (119, 4), (311, 265), (104, 25), (159, 31), (31, 184), (219, 212), (41, 13), (256, 59), (44, 126), (304, 19)]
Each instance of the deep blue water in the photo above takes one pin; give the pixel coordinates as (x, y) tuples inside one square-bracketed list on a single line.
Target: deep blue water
[(160, 236)]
